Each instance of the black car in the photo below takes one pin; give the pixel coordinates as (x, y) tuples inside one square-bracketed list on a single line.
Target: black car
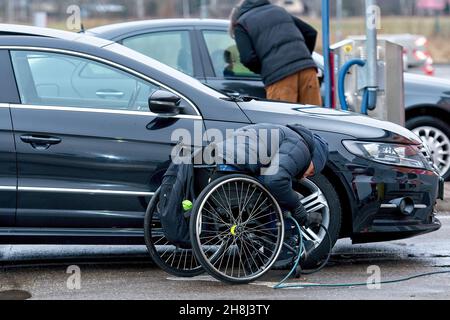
[(83, 149), (204, 49)]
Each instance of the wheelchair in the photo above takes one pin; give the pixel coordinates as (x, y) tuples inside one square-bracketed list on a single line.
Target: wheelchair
[(237, 229)]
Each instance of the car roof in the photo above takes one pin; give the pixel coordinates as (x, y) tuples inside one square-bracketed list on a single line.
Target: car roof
[(23, 30), (113, 31)]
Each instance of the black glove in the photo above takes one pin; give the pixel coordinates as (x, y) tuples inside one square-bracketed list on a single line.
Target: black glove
[(306, 219), (314, 219), (300, 214)]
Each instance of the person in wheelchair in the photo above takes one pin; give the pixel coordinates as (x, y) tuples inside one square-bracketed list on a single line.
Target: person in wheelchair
[(295, 153)]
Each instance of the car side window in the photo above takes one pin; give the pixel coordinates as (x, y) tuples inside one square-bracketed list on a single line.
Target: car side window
[(172, 48), (54, 79), (224, 55)]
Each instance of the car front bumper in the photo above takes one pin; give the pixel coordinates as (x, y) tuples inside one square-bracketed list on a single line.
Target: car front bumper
[(384, 230), (374, 186)]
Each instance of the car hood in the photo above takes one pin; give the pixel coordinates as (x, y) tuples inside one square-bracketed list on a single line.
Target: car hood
[(328, 120)]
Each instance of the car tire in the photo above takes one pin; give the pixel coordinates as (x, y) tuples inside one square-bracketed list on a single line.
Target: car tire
[(433, 128), (316, 257)]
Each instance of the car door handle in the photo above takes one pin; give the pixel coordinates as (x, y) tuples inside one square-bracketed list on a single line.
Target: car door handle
[(106, 93), (40, 142)]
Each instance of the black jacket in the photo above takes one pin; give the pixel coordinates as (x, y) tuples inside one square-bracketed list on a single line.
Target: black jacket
[(272, 42), (290, 157)]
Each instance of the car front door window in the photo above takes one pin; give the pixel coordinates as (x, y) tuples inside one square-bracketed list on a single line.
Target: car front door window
[(54, 79)]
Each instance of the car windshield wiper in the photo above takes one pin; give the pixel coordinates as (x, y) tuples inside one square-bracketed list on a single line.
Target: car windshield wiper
[(236, 98)]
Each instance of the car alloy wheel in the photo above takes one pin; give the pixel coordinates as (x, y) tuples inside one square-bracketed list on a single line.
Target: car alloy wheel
[(314, 201), (438, 144)]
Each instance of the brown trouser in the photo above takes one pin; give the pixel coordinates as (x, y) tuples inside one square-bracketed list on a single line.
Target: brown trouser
[(302, 87)]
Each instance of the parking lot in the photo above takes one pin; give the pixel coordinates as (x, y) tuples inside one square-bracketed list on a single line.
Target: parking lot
[(122, 272), (126, 273), (233, 138)]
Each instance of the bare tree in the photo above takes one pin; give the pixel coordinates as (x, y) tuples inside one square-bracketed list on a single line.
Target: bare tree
[(10, 11), (167, 9), (140, 9)]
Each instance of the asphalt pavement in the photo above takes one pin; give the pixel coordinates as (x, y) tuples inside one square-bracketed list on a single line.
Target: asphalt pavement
[(51, 272)]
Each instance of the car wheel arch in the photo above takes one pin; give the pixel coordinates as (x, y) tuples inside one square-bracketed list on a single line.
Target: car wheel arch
[(437, 120), (432, 110), (344, 199)]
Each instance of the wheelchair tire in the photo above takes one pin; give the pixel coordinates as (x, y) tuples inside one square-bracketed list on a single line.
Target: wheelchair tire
[(175, 261), (239, 215)]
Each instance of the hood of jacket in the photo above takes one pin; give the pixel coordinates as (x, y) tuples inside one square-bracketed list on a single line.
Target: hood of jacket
[(248, 5), (305, 133)]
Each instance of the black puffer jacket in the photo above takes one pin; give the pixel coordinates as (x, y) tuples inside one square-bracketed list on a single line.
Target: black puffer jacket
[(271, 42), (293, 149)]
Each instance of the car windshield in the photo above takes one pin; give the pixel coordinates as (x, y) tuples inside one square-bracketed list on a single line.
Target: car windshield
[(117, 48)]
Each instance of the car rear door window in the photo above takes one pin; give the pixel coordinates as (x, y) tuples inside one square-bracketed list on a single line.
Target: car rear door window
[(169, 47), (54, 79), (224, 55)]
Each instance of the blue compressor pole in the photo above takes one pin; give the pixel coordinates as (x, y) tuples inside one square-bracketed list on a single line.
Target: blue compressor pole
[(326, 51)]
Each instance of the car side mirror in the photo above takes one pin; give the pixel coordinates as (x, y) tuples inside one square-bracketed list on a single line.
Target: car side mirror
[(165, 103)]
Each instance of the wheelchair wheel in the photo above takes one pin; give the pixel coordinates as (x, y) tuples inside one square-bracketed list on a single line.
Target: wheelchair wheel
[(175, 261), (239, 215)]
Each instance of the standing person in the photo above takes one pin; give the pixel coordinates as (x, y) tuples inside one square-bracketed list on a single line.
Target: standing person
[(278, 46)]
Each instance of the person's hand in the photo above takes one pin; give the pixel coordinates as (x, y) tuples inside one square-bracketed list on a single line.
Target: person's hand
[(314, 219), (300, 214), (306, 219), (310, 172)]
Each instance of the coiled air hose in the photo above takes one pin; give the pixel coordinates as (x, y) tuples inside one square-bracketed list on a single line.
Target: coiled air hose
[(367, 97)]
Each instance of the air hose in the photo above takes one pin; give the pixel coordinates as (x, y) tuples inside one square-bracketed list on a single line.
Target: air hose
[(283, 285), (296, 265), (356, 284), (301, 249)]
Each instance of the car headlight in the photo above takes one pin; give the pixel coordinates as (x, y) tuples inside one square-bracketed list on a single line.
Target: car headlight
[(389, 153)]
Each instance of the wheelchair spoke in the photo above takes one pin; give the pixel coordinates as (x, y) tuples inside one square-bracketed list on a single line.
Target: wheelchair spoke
[(177, 261)]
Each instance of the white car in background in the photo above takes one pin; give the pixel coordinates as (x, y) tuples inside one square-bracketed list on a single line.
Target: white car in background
[(415, 50)]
